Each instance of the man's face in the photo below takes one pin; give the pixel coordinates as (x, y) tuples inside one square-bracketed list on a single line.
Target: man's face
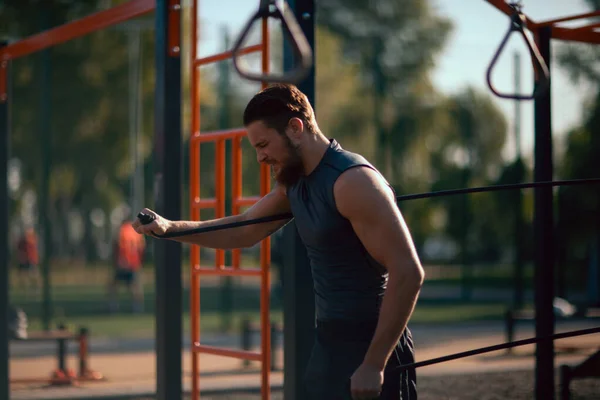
[(276, 150)]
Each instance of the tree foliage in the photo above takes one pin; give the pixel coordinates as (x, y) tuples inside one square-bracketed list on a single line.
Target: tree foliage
[(395, 45), (374, 94), (579, 206)]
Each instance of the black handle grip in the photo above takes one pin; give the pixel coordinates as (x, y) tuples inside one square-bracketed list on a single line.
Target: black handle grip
[(145, 219)]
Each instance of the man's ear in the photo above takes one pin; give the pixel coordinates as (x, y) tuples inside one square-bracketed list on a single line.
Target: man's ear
[(295, 127)]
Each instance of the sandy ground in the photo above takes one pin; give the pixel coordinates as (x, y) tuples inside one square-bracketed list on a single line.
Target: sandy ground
[(513, 385), (494, 375)]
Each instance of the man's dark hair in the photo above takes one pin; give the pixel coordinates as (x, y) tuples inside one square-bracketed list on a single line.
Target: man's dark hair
[(277, 104)]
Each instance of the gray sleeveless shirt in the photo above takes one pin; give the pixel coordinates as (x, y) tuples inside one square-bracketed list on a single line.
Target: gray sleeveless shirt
[(348, 283)]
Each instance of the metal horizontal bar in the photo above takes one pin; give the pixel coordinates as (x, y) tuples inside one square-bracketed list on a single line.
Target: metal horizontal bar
[(494, 188), (226, 55), (576, 35), (506, 9), (502, 346), (204, 203), (589, 27), (569, 18), (77, 28), (227, 271), (246, 201), (220, 351), (218, 135)]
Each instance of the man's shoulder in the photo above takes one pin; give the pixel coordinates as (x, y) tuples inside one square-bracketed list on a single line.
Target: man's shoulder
[(354, 168), (360, 176), (342, 159), (363, 177)]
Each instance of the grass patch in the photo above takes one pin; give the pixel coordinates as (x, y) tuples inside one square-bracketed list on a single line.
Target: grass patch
[(143, 325), (453, 313), (79, 298)]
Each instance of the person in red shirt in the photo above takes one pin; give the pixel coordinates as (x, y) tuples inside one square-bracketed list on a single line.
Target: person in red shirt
[(128, 256), (28, 260)]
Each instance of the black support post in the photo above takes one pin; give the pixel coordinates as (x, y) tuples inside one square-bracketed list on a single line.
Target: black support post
[(4, 275), (167, 186), (298, 313), (46, 150), (544, 236), (298, 297)]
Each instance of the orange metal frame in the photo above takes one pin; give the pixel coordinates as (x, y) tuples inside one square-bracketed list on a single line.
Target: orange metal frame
[(69, 31), (218, 204), (585, 34)]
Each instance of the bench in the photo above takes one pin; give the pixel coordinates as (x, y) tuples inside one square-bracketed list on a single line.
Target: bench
[(588, 368), (62, 375)]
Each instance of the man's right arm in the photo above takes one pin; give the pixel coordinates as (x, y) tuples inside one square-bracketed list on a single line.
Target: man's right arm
[(275, 202)]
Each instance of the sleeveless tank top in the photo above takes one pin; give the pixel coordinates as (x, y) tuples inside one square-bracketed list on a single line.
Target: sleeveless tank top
[(348, 283)]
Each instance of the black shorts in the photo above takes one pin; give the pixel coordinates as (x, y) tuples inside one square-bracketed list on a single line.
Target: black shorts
[(340, 347), (126, 276)]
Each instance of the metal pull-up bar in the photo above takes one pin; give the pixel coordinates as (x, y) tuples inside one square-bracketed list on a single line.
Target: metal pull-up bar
[(518, 24), (289, 25)]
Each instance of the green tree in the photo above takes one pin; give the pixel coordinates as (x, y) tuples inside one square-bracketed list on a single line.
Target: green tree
[(395, 45), (90, 111), (469, 155), (579, 206)]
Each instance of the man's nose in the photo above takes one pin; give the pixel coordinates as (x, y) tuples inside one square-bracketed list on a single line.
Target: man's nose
[(261, 157)]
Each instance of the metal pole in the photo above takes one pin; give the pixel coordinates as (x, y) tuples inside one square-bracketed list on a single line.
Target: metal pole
[(167, 184), (139, 165), (298, 298), (45, 131), (133, 36), (224, 106), (4, 270), (544, 236), (517, 123), (519, 289)]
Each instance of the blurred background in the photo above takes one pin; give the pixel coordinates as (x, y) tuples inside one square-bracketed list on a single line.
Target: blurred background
[(403, 83)]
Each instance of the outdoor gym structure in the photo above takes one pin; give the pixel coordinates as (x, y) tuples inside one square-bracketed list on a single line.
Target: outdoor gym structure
[(298, 19)]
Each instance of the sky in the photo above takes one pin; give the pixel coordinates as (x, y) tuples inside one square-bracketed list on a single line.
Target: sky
[(478, 31)]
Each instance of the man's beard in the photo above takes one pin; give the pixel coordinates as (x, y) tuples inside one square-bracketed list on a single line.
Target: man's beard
[(292, 170)]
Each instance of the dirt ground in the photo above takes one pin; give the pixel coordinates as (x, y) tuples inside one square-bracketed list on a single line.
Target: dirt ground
[(497, 375), (513, 385)]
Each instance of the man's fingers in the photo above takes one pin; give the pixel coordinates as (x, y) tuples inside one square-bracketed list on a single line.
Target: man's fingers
[(149, 229), (139, 225)]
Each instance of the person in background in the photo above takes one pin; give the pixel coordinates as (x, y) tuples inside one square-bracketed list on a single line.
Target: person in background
[(28, 261), (128, 257)]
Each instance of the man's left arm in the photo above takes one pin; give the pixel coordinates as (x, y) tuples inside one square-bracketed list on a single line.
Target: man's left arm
[(365, 199)]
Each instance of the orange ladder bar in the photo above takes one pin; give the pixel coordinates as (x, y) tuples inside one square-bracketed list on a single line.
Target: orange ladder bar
[(218, 204)]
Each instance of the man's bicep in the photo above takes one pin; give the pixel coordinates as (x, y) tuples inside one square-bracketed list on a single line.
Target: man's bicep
[(273, 203)]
